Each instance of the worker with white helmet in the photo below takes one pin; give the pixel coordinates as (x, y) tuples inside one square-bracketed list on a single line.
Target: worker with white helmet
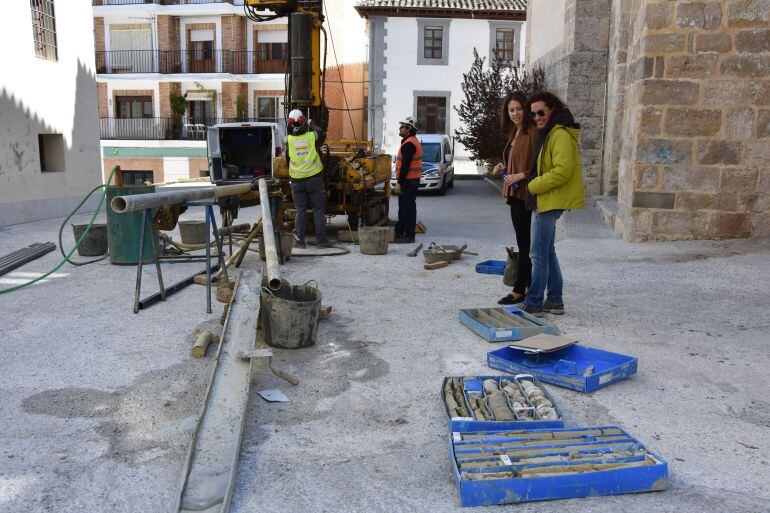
[(306, 172), (408, 173)]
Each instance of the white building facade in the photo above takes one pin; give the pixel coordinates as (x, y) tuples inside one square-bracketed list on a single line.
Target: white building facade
[(49, 127), (418, 52)]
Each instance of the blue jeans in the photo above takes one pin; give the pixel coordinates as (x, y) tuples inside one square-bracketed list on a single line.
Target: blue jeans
[(546, 274)]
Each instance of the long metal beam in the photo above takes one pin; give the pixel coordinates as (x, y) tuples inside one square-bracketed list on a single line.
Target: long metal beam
[(134, 202), (268, 235)]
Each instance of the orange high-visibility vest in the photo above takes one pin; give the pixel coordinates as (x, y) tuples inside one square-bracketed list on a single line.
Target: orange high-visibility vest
[(415, 168)]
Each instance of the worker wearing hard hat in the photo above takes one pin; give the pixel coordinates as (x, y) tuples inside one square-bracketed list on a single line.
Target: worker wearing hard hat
[(408, 174), (306, 171)]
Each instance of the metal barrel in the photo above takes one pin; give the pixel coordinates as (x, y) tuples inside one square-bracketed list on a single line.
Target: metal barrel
[(271, 254), (121, 204)]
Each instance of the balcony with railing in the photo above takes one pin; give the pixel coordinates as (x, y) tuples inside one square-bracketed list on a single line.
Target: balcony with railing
[(157, 129), (187, 61), (98, 3)]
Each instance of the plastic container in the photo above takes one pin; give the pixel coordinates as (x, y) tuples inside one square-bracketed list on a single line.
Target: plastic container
[(491, 267), (373, 240), (504, 324), (95, 241), (290, 315), (193, 231), (123, 228)]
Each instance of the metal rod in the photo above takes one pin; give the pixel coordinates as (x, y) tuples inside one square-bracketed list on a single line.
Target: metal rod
[(218, 239), (122, 204), (154, 298), (24, 256), (268, 235), (208, 262), (138, 288)]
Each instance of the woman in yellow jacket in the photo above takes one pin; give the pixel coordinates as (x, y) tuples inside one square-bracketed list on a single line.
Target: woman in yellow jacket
[(556, 182)]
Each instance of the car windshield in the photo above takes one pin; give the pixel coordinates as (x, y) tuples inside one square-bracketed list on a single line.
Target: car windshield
[(431, 152)]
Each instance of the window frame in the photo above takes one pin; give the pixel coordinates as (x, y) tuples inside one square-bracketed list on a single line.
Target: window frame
[(128, 172), (431, 24), (44, 34), (274, 100), (515, 27), (131, 99), (447, 96)]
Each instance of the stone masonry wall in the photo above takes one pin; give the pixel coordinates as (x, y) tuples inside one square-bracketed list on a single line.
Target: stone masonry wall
[(696, 124), (576, 71), (168, 33), (230, 93)]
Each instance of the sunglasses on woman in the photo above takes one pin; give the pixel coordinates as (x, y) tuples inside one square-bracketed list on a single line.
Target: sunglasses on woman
[(537, 113)]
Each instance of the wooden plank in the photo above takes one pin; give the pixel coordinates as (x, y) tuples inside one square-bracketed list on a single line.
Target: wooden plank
[(212, 460)]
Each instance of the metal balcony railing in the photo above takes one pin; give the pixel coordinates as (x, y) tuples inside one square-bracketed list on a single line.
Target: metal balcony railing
[(187, 61), (163, 2), (156, 129)]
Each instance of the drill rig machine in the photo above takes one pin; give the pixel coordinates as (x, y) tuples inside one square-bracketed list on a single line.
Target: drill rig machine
[(357, 179)]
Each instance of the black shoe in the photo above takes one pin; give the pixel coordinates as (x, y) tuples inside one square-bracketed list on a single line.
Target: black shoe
[(553, 308), (532, 310), (300, 244), (403, 239), (510, 300), (324, 243)]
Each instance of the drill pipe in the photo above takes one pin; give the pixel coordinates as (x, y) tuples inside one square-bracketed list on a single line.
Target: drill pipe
[(271, 254), (122, 204)]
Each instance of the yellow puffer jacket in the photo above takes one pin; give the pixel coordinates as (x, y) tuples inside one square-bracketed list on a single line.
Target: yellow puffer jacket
[(559, 181)]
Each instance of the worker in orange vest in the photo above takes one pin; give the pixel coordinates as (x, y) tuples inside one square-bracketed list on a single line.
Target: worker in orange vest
[(408, 174)]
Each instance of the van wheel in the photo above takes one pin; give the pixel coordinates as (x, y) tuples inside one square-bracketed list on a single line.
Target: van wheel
[(452, 183), (442, 190)]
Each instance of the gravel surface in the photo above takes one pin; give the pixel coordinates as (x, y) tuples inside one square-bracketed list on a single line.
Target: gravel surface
[(98, 404)]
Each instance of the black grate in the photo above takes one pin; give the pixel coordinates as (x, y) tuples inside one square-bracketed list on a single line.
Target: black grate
[(44, 29)]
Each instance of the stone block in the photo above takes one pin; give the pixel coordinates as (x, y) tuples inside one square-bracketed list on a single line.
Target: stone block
[(723, 92), (730, 225), (645, 177), (663, 43), (755, 202), (753, 41), (642, 68), (692, 122), (697, 201), (738, 124), (700, 15), (702, 179), (691, 66), (664, 151), (650, 121), (748, 13), (664, 200), (719, 152), (763, 123), (740, 180), (756, 153), (669, 92), (760, 224), (672, 225), (716, 42), (746, 65), (660, 67), (759, 92), (657, 16), (763, 185)]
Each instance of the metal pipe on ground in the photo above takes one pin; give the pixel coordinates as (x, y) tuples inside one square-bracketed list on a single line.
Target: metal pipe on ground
[(134, 202), (268, 234), (24, 256)]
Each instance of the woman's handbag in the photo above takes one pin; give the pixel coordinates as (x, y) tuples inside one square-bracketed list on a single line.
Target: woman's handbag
[(511, 267)]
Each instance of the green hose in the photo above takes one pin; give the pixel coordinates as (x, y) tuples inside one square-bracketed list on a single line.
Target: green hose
[(82, 237)]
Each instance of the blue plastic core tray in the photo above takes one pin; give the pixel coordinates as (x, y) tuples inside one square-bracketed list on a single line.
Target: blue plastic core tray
[(504, 467), (491, 267), (577, 367), (504, 324)]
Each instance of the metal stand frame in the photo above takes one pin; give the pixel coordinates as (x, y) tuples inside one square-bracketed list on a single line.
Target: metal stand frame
[(210, 222)]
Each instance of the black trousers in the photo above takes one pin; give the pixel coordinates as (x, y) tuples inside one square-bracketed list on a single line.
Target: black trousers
[(521, 219), (407, 208)]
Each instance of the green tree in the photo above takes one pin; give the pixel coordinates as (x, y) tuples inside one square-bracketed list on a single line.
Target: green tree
[(484, 88)]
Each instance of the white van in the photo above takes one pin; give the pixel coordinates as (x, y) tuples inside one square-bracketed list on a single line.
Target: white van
[(438, 170)]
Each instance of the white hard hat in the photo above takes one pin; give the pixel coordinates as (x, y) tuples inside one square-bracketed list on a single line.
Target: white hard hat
[(296, 117), (409, 121)]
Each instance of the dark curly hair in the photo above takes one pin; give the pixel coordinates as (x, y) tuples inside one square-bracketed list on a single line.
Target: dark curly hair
[(506, 125), (551, 100)]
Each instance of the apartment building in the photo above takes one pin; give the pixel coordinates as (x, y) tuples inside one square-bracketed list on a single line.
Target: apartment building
[(167, 69), (49, 133)]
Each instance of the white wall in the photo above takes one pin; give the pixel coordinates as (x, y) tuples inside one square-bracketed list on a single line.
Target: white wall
[(40, 96), (348, 30), (548, 16), (404, 75)]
